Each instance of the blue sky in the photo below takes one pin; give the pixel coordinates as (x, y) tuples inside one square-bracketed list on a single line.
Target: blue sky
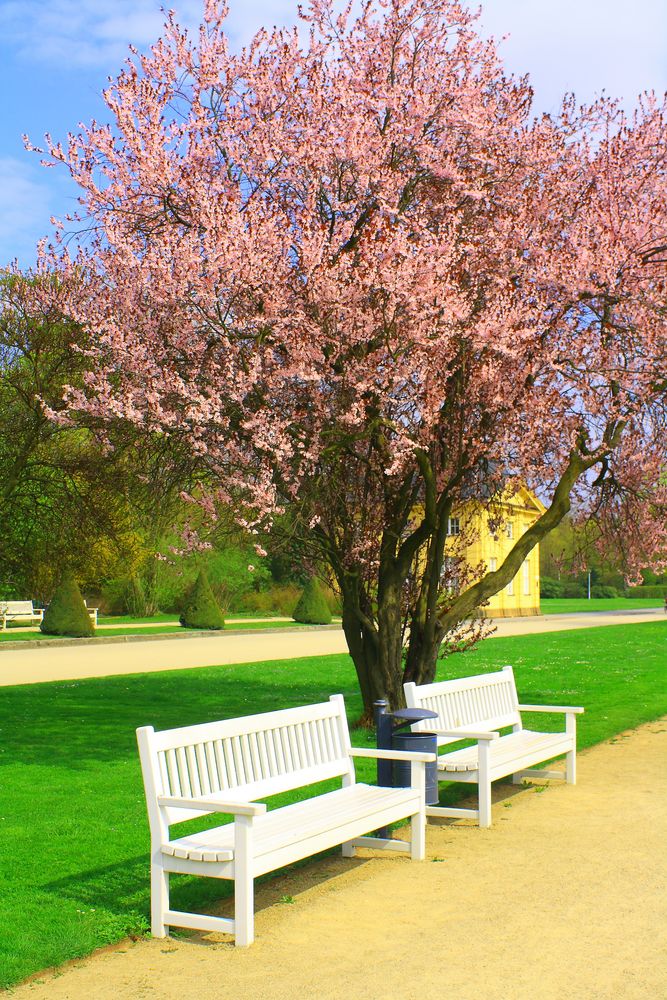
[(56, 55)]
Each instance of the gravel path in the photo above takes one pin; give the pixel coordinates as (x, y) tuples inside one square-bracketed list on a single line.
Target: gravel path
[(565, 896), (86, 658)]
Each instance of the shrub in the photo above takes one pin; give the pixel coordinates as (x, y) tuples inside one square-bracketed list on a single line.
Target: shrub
[(312, 608), (279, 599), (657, 590), (200, 608), (573, 589), (66, 613), (550, 587), (604, 590)]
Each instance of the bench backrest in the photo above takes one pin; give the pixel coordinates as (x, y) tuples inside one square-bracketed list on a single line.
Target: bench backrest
[(483, 702), (16, 607), (245, 759)]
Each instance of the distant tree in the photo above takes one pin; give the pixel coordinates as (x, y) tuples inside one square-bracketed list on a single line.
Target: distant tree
[(100, 496)]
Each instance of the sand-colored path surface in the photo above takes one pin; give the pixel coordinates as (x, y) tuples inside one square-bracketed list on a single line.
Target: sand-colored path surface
[(565, 897), (92, 659)]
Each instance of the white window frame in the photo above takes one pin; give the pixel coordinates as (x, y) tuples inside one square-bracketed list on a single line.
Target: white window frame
[(509, 529), (493, 564), (509, 589), (453, 526)]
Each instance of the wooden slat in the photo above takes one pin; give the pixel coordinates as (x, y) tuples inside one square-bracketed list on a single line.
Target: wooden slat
[(507, 751), (198, 921), (309, 746), (230, 766), (246, 757), (301, 746), (485, 702), (193, 771), (223, 778), (211, 768), (164, 783), (245, 724), (184, 777), (172, 767), (303, 825)]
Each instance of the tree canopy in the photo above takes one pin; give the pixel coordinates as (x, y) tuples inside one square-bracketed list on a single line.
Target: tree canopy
[(357, 274)]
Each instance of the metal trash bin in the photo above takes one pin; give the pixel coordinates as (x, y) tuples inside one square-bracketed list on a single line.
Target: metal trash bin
[(423, 743), (388, 737)]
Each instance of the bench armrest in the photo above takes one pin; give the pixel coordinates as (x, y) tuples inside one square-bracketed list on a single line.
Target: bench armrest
[(465, 734), (213, 805), (392, 754), (550, 708)]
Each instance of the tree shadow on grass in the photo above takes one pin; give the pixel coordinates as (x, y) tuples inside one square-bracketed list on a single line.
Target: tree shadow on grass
[(123, 889), (73, 723)]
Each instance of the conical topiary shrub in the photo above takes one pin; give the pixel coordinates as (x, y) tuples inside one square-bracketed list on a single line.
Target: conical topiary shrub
[(66, 613), (200, 608), (312, 608)]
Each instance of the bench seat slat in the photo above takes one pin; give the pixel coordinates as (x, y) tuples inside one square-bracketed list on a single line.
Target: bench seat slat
[(300, 823), (506, 751)]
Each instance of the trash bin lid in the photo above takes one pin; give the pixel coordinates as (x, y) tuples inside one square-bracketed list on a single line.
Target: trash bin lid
[(414, 714), (406, 716)]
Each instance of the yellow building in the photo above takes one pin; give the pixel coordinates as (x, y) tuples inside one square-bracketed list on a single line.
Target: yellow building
[(514, 514)]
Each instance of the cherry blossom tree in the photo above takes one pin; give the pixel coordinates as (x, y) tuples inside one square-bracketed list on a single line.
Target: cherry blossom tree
[(368, 284)]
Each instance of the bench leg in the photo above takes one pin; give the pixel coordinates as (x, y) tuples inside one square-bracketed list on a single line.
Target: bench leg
[(244, 895), (159, 899), (571, 757), (418, 820), (348, 849), (418, 836), (484, 785)]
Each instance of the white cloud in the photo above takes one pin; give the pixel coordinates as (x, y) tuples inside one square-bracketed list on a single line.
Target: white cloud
[(580, 45), (585, 46), (24, 211), (85, 33), (97, 33)]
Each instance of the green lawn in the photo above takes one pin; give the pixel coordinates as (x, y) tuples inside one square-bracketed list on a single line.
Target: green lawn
[(569, 605), (133, 620), (245, 626), (73, 831), (156, 619)]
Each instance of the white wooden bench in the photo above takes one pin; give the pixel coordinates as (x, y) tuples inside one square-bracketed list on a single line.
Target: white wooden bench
[(475, 708), (92, 612), (23, 611), (225, 766), (19, 611)]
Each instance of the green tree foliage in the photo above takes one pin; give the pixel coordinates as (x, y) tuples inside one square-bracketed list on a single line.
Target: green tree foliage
[(200, 608), (312, 608), (66, 613), (98, 497)]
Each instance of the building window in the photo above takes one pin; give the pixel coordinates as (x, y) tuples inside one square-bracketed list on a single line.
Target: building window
[(493, 565), (526, 578), (453, 526), (510, 588), (509, 529)]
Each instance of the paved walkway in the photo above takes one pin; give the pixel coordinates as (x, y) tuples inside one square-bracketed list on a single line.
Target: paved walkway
[(90, 659), (564, 897)]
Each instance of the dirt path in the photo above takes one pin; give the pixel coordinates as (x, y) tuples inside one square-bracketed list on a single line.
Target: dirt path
[(566, 896), (69, 662)]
